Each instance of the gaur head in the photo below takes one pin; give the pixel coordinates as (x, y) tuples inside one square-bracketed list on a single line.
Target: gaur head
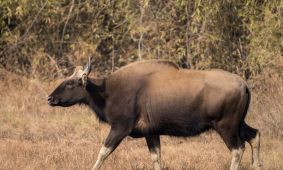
[(72, 90)]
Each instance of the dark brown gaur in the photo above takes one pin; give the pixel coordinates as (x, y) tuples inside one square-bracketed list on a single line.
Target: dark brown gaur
[(152, 98)]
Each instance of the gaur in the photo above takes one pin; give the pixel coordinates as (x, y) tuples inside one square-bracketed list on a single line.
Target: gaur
[(152, 98)]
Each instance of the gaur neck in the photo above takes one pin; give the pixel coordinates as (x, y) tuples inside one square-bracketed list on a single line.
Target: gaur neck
[(96, 89)]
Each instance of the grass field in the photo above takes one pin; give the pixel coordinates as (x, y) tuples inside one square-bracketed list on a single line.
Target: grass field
[(36, 136)]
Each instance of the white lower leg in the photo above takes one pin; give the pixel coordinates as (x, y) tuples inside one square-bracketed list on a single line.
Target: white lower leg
[(236, 158), (156, 158), (103, 154), (255, 145)]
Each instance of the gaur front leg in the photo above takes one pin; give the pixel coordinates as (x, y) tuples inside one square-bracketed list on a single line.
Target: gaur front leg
[(103, 154), (236, 157), (153, 143), (114, 138)]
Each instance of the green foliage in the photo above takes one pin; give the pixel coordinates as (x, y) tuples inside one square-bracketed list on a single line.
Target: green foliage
[(47, 38)]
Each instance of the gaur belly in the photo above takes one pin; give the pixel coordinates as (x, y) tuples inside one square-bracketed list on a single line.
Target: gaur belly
[(182, 129)]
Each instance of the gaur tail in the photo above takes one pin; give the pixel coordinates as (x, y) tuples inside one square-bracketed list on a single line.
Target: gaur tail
[(248, 95), (246, 132)]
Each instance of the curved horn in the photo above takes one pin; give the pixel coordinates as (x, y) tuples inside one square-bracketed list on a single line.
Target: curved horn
[(87, 68)]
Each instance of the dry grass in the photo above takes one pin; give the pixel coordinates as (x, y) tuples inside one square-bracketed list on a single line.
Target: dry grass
[(36, 136)]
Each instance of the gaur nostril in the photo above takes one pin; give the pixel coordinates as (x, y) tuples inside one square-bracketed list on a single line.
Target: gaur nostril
[(50, 98)]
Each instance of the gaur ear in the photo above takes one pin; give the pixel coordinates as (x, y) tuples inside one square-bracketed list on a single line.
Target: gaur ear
[(84, 79)]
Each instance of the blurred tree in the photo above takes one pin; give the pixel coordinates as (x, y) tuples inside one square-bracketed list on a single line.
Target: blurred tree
[(47, 38)]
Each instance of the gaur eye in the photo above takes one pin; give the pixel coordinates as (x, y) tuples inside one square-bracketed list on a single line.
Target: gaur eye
[(69, 85)]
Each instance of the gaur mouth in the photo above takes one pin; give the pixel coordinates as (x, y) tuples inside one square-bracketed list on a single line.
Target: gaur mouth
[(58, 103), (51, 103)]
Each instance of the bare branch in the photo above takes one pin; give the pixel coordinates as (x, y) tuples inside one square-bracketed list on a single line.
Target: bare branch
[(188, 49), (33, 21), (140, 46), (68, 17), (141, 34), (59, 71), (113, 56)]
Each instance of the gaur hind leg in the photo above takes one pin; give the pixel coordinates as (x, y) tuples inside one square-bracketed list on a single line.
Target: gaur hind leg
[(114, 138), (153, 143), (252, 136), (235, 144)]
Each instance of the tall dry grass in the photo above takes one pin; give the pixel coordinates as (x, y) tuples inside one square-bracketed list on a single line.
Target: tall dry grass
[(36, 136)]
